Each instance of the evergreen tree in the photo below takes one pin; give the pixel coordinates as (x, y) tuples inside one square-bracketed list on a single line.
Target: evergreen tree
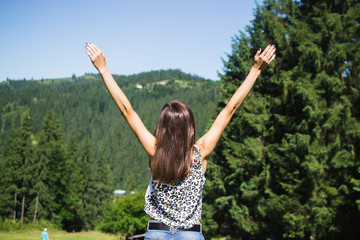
[(89, 203), (50, 168), (27, 152), (10, 177), (73, 186), (3, 196), (104, 187), (286, 164), (41, 205), (17, 158)]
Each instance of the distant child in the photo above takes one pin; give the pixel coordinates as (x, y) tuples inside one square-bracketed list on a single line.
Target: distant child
[(45, 235)]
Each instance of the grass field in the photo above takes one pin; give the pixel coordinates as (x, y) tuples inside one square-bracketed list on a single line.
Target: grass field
[(36, 235)]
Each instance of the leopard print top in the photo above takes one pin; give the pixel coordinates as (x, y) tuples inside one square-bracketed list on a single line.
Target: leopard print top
[(179, 204)]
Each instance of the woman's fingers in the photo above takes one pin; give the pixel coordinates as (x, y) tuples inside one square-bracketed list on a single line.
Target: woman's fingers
[(272, 58), (90, 50), (270, 52), (265, 51), (89, 54), (96, 56), (93, 51), (94, 48), (263, 59)]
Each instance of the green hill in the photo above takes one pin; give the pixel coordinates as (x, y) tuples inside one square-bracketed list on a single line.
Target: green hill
[(85, 108)]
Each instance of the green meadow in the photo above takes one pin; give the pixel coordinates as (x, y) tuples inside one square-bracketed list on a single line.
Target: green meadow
[(35, 235)]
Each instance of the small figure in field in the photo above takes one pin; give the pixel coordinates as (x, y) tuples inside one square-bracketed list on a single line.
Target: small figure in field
[(45, 235), (177, 161)]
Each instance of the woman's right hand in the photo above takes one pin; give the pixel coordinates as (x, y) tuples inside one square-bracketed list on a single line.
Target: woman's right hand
[(262, 61), (96, 55)]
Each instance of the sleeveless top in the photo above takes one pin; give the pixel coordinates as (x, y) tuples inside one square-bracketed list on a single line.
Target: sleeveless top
[(179, 204)]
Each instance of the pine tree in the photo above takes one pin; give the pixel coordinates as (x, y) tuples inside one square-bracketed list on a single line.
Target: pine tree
[(27, 152), (50, 169), (4, 209), (88, 208), (42, 201), (73, 184), (10, 180), (104, 187), (17, 158), (286, 164)]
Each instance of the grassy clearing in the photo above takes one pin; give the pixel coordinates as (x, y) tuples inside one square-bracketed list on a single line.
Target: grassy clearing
[(36, 235)]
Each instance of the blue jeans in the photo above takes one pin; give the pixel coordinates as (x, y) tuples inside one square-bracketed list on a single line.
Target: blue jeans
[(174, 235)]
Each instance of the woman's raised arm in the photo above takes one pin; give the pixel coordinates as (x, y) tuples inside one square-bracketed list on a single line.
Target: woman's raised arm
[(208, 141), (146, 139)]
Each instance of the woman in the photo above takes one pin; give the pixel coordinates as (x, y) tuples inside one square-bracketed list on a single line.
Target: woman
[(177, 163)]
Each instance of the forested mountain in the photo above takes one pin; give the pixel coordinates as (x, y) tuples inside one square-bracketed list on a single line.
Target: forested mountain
[(287, 166), (86, 110), (64, 141)]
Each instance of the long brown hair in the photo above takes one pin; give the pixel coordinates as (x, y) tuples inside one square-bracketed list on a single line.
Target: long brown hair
[(175, 137)]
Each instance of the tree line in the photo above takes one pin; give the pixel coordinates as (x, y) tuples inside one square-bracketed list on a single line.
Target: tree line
[(65, 146), (84, 107), (44, 178)]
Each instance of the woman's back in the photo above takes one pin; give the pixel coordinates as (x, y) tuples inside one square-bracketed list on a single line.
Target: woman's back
[(179, 204)]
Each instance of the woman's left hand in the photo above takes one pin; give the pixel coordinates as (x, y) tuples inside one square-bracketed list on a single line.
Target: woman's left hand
[(96, 55)]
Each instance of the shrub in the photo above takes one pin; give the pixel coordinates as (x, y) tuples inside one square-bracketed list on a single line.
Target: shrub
[(125, 215), (8, 225)]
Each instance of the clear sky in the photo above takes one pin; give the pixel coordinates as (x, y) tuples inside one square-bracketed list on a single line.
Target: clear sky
[(46, 38)]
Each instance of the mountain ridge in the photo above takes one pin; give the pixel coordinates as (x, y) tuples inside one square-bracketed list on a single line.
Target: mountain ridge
[(85, 108)]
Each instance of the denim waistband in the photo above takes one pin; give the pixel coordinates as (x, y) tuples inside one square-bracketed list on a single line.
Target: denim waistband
[(156, 225)]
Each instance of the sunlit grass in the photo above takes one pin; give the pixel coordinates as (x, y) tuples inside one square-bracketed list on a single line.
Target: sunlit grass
[(36, 235)]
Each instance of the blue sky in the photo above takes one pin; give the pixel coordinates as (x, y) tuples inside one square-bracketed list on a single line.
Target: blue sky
[(46, 39)]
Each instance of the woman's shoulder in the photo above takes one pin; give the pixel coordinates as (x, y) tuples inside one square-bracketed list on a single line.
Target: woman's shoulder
[(197, 149), (196, 155)]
